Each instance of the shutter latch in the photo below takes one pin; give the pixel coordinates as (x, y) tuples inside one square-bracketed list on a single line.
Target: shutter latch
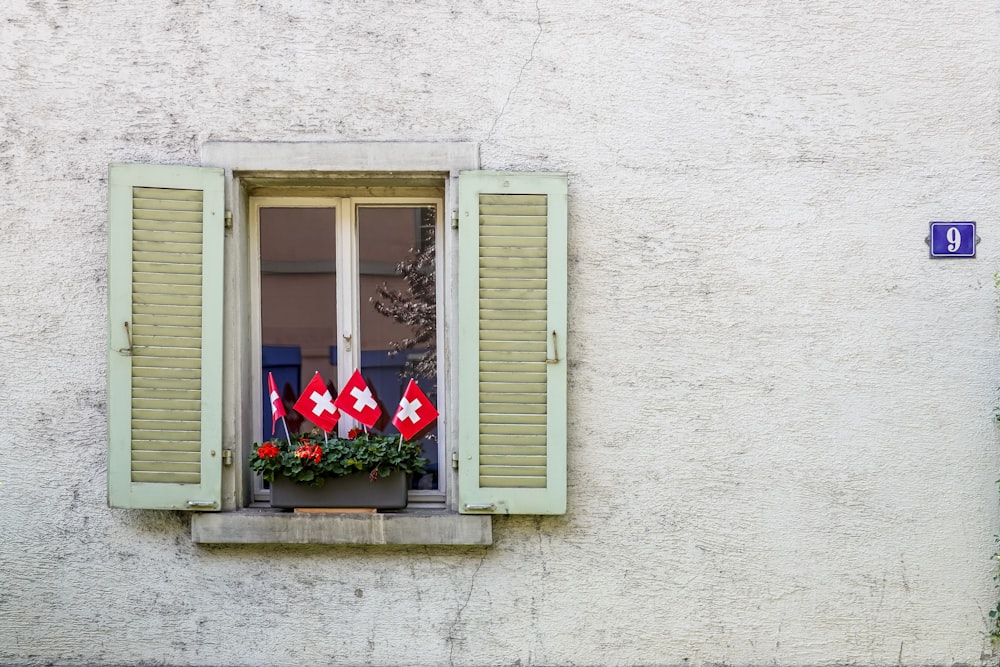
[(555, 351), (480, 508), (201, 504), (127, 351)]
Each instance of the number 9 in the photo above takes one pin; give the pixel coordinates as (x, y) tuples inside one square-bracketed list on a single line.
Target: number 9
[(954, 239)]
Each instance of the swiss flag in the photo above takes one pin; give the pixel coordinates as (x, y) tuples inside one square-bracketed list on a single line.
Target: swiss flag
[(415, 412), (277, 405), (316, 405), (356, 400)]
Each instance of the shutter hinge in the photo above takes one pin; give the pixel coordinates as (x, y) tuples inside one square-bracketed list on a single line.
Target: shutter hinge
[(454, 219), (227, 457), (229, 220), (454, 460)]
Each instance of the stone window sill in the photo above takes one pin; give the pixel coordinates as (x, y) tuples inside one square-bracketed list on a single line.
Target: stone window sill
[(268, 526)]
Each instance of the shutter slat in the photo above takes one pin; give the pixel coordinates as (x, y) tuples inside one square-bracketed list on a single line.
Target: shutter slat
[(153, 351), (167, 236), (510, 252), (164, 204), (166, 412), (504, 210), (154, 443), (510, 264), (166, 372), (157, 215), (511, 467), (144, 465), (151, 331), (158, 455), (506, 459), (511, 199), (523, 246), (171, 194), (171, 268), (514, 451), (160, 319), (150, 299), (145, 287), (520, 282), (514, 482), (514, 345), (166, 341), (516, 440), (166, 227), (164, 478), (176, 279), (512, 408), (164, 403)]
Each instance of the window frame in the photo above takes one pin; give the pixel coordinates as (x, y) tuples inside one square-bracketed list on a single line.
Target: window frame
[(347, 233), (318, 168)]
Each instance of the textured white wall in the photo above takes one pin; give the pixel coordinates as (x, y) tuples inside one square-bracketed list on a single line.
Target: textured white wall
[(803, 470)]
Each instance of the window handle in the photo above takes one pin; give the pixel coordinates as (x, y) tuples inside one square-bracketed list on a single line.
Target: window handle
[(554, 359), (347, 342)]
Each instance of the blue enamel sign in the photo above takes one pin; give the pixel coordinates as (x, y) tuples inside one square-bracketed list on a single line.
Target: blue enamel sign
[(953, 239)]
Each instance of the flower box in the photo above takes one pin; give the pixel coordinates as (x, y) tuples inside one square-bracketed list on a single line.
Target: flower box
[(354, 490)]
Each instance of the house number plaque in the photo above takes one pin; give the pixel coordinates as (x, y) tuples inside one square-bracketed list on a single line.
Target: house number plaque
[(953, 239)]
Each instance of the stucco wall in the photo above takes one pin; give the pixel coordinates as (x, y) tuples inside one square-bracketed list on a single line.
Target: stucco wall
[(781, 439)]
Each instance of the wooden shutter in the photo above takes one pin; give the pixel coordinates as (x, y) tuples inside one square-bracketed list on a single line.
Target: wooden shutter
[(165, 227), (512, 343)]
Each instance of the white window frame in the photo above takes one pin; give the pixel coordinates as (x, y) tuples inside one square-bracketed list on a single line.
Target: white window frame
[(348, 319), (295, 163)]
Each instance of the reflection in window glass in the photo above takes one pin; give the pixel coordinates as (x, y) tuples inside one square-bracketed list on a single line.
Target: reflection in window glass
[(399, 310), (298, 306)]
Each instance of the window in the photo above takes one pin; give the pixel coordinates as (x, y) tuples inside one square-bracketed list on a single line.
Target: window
[(188, 339), (329, 297)]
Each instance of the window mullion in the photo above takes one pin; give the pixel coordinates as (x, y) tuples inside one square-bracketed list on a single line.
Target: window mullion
[(348, 308)]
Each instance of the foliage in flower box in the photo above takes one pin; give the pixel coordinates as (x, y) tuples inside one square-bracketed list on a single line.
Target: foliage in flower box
[(308, 459)]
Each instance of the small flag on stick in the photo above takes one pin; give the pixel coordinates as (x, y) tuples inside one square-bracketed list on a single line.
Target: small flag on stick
[(316, 405), (277, 406), (415, 412), (356, 400)]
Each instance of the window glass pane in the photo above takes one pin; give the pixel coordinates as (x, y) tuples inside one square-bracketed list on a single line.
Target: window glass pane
[(398, 311), (298, 307)]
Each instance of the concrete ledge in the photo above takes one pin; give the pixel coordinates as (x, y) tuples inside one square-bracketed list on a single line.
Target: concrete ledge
[(270, 527)]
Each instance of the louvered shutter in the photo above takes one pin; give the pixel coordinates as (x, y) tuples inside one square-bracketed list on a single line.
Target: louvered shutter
[(166, 229), (512, 343)]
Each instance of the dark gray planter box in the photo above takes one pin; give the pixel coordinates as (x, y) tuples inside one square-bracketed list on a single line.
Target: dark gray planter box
[(355, 490)]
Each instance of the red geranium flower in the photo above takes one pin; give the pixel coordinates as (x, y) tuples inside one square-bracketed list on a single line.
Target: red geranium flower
[(267, 451), (310, 452), (354, 432)]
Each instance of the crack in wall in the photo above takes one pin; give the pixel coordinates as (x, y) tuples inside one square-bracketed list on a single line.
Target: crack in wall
[(458, 614), (520, 74)]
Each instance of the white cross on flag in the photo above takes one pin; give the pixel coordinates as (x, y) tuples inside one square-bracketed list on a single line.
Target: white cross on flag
[(415, 412), (356, 400), (277, 405), (316, 405)]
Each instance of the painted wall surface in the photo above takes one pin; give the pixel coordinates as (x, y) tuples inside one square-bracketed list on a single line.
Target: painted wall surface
[(782, 447)]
